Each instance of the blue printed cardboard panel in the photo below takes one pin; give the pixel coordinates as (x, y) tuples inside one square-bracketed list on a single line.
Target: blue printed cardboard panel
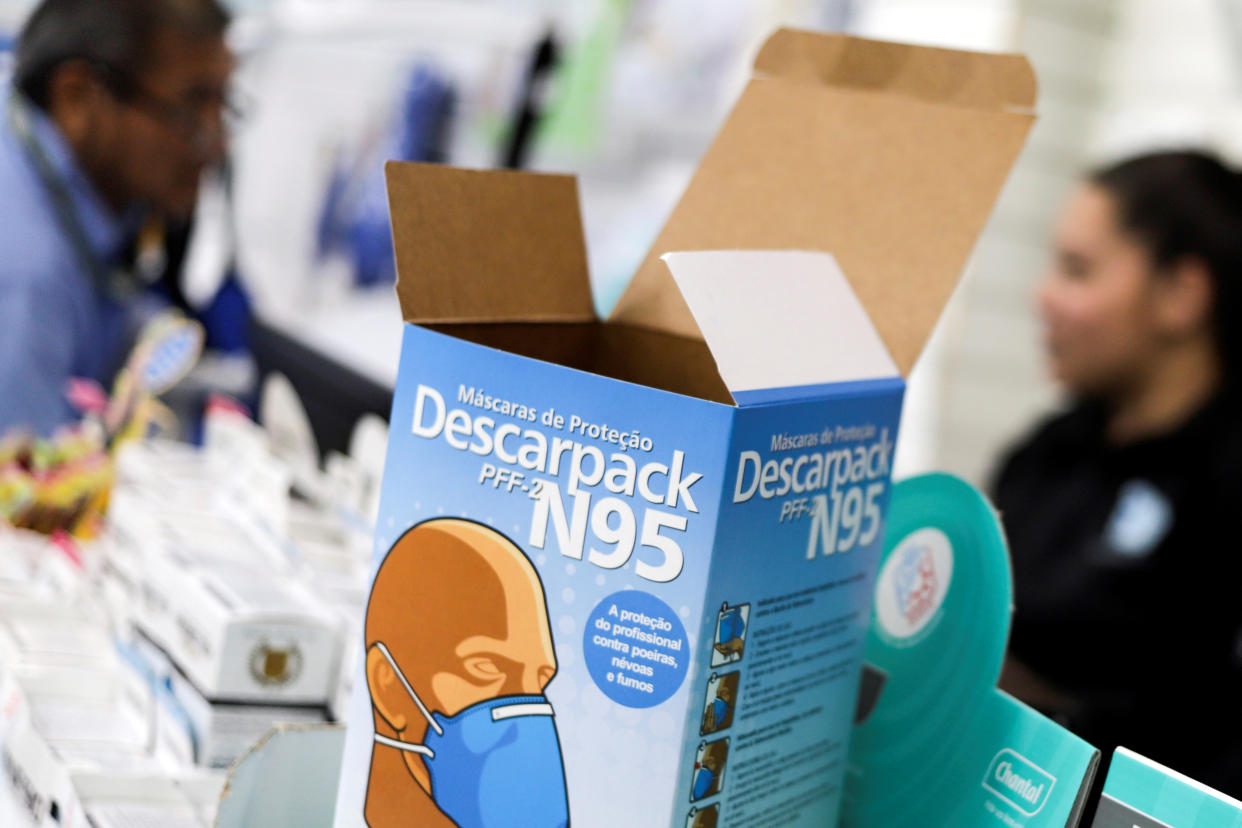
[(805, 491), (548, 544), (576, 515)]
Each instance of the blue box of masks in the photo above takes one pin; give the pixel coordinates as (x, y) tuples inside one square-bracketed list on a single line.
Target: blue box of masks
[(624, 565)]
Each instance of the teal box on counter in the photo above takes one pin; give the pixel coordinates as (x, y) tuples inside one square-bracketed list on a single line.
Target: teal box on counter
[(1140, 793), (624, 568), (934, 741)]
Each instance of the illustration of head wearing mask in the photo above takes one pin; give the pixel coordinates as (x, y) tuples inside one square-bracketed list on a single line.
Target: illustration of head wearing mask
[(721, 704), (730, 630), (459, 654), (707, 770)]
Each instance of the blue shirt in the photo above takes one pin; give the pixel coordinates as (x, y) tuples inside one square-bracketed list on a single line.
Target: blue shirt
[(54, 322)]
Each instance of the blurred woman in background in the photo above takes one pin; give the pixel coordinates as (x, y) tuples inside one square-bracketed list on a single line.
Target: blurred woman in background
[(1122, 512)]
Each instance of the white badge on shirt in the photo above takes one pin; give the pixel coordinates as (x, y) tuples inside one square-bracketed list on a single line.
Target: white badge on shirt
[(1140, 520)]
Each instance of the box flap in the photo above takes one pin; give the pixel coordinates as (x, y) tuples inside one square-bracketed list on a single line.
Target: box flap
[(487, 246), (889, 157), (975, 79), (779, 319)]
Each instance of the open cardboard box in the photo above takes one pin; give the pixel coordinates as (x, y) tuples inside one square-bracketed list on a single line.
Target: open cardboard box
[(615, 519)]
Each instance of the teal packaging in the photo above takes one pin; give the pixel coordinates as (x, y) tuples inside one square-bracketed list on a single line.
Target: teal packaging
[(933, 735), (623, 568), (1139, 793)]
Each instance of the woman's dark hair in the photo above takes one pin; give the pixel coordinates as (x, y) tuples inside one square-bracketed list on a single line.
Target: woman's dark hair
[(115, 36), (1187, 205)]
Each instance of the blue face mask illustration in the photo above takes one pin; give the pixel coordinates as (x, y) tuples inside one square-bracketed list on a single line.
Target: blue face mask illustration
[(493, 760), (703, 779), (731, 626)]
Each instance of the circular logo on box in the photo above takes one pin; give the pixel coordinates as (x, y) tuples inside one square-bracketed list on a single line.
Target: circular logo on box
[(273, 666), (914, 582), (635, 648)]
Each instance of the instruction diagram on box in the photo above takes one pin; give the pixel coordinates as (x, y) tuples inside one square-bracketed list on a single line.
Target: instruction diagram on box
[(730, 643), (709, 769), (720, 703), (708, 817)]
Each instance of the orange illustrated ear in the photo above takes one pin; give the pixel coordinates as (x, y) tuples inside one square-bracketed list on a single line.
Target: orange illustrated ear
[(388, 695)]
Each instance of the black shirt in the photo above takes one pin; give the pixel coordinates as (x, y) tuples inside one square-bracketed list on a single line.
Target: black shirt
[(1128, 582)]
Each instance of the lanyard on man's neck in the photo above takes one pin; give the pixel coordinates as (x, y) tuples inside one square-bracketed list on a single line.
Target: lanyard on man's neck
[(115, 282)]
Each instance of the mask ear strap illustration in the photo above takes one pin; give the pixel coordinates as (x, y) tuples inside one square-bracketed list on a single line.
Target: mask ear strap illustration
[(407, 746), (422, 708)]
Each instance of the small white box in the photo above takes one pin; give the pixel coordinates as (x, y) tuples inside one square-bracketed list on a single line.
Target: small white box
[(20, 555), (41, 632), (180, 800), (59, 722), (241, 634)]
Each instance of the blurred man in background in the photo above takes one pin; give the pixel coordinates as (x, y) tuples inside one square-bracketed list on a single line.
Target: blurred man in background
[(114, 112), (1121, 511)]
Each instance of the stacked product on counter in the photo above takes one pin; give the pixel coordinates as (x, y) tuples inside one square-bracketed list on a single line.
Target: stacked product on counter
[(75, 716), (215, 603)]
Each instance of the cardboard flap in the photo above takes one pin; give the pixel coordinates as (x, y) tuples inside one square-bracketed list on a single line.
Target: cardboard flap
[(779, 319), (487, 246), (975, 79), (895, 186)]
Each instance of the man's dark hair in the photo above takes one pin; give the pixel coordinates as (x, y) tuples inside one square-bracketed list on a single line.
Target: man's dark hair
[(116, 36), (1187, 205)]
